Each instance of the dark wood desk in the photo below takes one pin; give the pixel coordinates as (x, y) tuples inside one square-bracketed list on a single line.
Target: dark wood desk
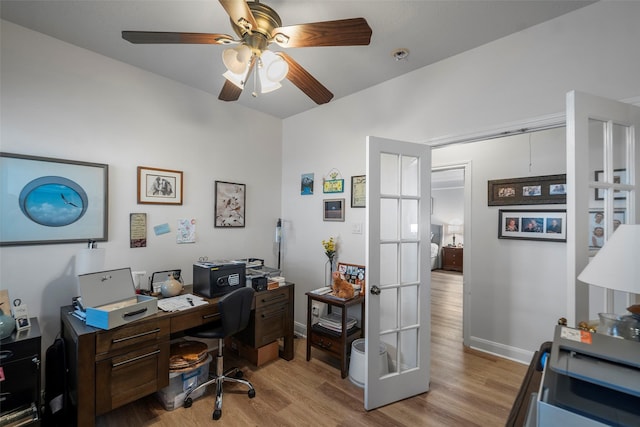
[(110, 368), (336, 344)]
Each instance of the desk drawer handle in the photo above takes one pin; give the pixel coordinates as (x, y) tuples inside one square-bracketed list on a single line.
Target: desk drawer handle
[(6, 354), (115, 365), (133, 313), (116, 341), (209, 316), (275, 298), (324, 345)]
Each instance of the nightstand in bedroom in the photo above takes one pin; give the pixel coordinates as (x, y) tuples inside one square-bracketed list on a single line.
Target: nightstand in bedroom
[(452, 258)]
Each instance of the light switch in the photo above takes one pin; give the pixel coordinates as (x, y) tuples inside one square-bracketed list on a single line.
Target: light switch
[(356, 228)]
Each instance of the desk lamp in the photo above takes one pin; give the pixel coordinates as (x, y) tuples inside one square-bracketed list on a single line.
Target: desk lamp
[(617, 265)]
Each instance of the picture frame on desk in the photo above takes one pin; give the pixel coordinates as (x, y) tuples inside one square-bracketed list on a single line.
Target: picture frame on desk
[(47, 200)]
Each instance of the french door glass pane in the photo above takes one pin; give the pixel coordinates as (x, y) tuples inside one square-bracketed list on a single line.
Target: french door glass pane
[(410, 176), (388, 219), (391, 342), (389, 309), (389, 176), (409, 306), (408, 349), (620, 142), (389, 264), (409, 262), (410, 223)]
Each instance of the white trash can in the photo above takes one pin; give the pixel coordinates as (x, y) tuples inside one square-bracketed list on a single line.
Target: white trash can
[(356, 366)]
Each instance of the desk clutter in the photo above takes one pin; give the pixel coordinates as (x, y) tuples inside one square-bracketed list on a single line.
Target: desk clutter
[(108, 299), (333, 322), (188, 368), (216, 278)]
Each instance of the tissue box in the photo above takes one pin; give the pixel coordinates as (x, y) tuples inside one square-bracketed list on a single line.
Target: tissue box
[(110, 299)]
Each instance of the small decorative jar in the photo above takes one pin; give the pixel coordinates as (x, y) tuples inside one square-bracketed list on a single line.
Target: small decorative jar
[(7, 325), (171, 287)]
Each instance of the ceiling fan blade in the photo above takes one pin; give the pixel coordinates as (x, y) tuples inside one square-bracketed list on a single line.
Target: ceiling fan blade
[(229, 92), (343, 32), (305, 81), (240, 13), (166, 37)]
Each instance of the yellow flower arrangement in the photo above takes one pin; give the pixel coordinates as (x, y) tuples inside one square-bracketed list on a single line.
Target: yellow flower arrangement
[(329, 248)]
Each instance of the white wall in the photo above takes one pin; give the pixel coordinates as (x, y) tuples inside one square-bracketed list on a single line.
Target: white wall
[(65, 102), (448, 206), (520, 77)]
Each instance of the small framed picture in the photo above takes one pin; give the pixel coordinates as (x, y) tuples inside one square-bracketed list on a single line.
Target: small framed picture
[(159, 186), (619, 177), (333, 210), (230, 199), (549, 225), (358, 191)]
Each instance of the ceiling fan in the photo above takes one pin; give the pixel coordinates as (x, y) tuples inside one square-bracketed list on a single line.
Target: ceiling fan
[(257, 26)]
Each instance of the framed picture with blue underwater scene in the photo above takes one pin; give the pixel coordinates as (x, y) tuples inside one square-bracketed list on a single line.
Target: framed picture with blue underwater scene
[(45, 200)]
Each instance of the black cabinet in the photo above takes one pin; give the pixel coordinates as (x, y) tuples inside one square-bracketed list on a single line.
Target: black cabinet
[(20, 369)]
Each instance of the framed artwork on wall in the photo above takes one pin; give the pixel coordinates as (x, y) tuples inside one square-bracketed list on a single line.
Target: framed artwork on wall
[(596, 226), (159, 186), (45, 200), (536, 190), (359, 191), (549, 225), (333, 210), (230, 199), (619, 177)]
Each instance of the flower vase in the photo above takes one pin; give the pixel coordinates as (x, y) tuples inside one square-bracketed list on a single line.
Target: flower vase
[(328, 271)]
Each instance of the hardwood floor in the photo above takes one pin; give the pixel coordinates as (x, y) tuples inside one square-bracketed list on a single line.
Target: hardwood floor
[(468, 387)]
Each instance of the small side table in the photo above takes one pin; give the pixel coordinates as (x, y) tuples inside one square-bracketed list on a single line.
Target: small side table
[(335, 344), (452, 258)]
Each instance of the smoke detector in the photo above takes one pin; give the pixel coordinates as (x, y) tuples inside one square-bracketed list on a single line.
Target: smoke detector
[(400, 54)]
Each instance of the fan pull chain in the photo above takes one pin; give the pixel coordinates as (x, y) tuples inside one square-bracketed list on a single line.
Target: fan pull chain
[(255, 79)]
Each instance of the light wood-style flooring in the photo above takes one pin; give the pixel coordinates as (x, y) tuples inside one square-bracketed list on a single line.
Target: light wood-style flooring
[(468, 387)]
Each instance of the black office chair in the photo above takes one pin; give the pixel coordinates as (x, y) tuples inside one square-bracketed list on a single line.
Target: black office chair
[(235, 309)]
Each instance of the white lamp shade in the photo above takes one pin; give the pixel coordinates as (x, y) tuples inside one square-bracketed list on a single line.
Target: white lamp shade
[(236, 59), (236, 79), (454, 228), (274, 67), (617, 264)]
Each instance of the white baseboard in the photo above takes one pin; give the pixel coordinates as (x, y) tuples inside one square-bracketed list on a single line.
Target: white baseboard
[(497, 349)]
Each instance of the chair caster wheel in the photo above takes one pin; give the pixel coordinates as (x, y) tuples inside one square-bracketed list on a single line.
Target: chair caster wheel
[(188, 402), (217, 414), (252, 393), (239, 374)]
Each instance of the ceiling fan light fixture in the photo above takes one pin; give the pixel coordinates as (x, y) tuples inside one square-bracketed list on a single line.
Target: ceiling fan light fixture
[(273, 66), (236, 78), (236, 58)]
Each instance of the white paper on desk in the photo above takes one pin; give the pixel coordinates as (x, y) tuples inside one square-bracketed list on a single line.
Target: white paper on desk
[(180, 302)]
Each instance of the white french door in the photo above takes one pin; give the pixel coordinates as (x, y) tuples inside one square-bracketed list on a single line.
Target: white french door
[(398, 316), (603, 167)]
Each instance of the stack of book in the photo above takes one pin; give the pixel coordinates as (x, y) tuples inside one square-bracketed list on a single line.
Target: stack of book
[(333, 322)]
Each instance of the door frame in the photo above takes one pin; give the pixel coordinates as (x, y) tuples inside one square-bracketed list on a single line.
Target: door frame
[(465, 165)]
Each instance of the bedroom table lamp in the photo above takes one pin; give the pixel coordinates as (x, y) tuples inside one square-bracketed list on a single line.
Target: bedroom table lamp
[(617, 265), (453, 229)]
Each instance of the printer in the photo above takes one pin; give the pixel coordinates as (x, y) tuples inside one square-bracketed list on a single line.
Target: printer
[(216, 278), (590, 379)]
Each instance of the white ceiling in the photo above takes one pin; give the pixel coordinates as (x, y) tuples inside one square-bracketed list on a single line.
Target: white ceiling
[(431, 31)]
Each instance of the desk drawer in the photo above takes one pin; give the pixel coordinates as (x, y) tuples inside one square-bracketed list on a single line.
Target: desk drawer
[(276, 296), (130, 376), (136, 334), (327, 343), (194, 317), (270, 324)]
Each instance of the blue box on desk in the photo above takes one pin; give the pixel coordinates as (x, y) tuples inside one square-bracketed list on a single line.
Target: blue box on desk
[(216, 278), (110, 299)]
